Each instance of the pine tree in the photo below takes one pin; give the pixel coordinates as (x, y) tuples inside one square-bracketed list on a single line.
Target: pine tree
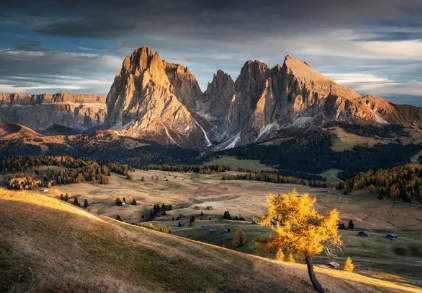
[(348, 265), (279, 255), (85, 203), (118, 218), (191, 220), (75, 201), (66, 198), (118, 202), (134, 203), (290, 258), (239, 238), (351, 225), (61, 197)]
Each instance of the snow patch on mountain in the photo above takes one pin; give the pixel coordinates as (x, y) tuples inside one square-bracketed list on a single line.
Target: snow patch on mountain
[(209, 143)]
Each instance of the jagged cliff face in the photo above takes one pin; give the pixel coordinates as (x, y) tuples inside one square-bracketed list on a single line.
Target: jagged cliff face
[(39, 112), (153, 99), (161, 101)]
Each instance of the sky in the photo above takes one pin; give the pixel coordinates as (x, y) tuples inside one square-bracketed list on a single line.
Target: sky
[(371, 46)]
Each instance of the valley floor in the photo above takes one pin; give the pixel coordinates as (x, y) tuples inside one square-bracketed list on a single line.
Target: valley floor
[(190, 196)]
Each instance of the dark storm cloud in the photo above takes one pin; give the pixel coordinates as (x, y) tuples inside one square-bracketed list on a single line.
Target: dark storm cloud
[(373, 46), (110, 18)]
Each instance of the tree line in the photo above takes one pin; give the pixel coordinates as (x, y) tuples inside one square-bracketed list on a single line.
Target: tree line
[(275, 178), (404, 182), (200, 169), (77, 170)]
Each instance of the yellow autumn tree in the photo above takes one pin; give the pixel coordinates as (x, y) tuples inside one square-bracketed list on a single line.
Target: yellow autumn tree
[(348, 265), (279, 255), (290, 258), (300, 229), (239, 238)]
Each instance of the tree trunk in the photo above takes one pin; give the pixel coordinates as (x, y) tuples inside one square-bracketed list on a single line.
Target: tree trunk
[(315, 283)]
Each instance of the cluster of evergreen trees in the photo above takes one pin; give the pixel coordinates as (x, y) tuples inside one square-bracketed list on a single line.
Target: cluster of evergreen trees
[(350, 226), (75, 200), (200, 169), (121, 169), (404, 182), (157, 209), (275, 178), (227, 216), (76, 170)]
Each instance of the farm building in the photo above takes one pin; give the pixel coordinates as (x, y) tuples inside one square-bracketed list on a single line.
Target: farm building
[(324, 190), (213, 231), (333, 265), (392, 236), (204, 225), (274, 222), (209, 207), (364, 233)]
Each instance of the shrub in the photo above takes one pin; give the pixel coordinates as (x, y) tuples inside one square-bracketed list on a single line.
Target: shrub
[(348, 265)]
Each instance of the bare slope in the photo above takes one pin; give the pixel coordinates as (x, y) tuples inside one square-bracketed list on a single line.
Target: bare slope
[(50, 246)]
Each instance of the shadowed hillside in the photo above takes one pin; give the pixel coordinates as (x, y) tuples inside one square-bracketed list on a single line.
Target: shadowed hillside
[(49, 246)]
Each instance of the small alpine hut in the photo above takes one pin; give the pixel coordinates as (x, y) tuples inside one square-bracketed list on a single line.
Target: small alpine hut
[(333, 264), (213, 231), (391, 236), (364, 233)]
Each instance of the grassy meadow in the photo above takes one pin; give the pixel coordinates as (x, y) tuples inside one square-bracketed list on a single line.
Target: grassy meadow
[(48, 245)]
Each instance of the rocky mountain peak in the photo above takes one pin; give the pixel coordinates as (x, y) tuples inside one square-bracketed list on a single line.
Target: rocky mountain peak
[(162, 101), (153, 99)]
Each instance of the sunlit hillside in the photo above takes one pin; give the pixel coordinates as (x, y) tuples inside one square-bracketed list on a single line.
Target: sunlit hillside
[(50, 246)]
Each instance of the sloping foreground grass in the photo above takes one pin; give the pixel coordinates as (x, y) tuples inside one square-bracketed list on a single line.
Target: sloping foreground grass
[(50, 246)]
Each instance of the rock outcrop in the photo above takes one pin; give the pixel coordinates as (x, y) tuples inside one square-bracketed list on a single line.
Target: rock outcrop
[(153, 99), (39, 112)]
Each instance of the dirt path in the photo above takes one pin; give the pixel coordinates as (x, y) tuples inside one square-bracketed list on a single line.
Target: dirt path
[(391, 216)]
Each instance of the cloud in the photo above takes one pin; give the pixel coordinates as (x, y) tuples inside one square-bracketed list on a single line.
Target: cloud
[(375, 44), (40, 71)]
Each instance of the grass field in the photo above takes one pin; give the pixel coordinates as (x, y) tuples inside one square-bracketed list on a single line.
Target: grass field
[(247, 198), (236, 163), (331, 176), (190, 196), (47, 245)]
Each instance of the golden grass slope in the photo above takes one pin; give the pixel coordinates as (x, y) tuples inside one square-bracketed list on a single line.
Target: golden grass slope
[(50, 246)]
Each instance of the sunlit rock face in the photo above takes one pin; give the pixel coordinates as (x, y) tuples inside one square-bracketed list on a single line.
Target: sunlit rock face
[(162, 101), (39, 112), (153, 99)]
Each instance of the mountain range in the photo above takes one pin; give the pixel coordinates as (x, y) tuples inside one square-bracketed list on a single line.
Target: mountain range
[(162, 102)]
